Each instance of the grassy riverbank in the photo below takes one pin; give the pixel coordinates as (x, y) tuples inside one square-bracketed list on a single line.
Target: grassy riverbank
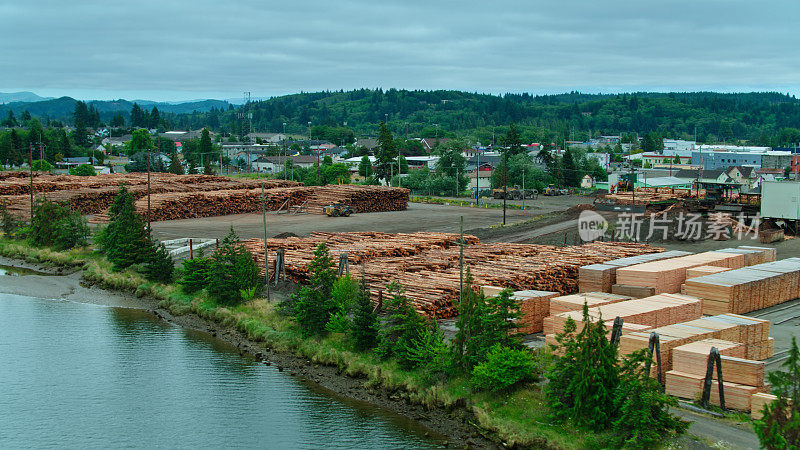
[(517, 418)]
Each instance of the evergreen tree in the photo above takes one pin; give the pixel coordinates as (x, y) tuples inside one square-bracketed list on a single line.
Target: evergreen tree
[(313, 305), (207, 169), (175, 164), (25, 116), (572, 175), (467, 323), (159, 265), (779, 427), (117, 120), (364, 332), (125, 240), (233, 271), (583, 381), (512, 140), (155, 118), (196, 273), (365, 167), (205, 142), (386, 153), (404, 330), (10, 120), (137, 117)]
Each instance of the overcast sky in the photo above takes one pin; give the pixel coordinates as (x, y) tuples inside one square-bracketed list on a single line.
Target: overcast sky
[(178, 50)]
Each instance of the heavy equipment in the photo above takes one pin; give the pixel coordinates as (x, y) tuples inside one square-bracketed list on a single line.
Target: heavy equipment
[(338, 209)]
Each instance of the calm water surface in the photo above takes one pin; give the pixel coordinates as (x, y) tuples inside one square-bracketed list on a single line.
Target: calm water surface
[(74, 375)]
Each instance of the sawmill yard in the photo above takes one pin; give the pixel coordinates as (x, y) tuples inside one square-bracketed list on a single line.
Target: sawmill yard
[(738, 296)]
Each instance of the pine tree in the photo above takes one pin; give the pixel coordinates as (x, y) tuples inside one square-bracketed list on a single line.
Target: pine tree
[(467, 323), (583, 381), (364, 332), (386, 153), (779, 427), (175, 165), (313, 305), (155, 118), (512, 140), (233, 270), (125, 240), (207, 169), (10, 120), (572, 176), (159, 265)]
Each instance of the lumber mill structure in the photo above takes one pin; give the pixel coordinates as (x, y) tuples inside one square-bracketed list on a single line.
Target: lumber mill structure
[(687, 308)]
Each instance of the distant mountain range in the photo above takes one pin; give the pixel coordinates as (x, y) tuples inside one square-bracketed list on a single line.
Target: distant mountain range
[(8, 97), (62, 108)]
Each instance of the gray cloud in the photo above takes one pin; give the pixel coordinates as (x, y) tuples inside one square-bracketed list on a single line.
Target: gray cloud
[(204, 48)]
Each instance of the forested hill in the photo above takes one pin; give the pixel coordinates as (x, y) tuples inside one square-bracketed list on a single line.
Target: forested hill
[(62, 108), (758, 118)]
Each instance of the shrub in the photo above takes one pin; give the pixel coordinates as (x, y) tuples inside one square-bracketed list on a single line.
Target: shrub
[(41, 165), (54, 224), (159, 265), (8, 222), (313, 304), (343, 294), (504, 367), (232, 269), (196, 274), (84, 170)]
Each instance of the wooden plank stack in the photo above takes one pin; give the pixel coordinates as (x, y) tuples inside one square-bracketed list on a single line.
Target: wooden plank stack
[(534, 306), (601, 277), (747, 289), (656, 311), (690, 386), (666, 276), (427, 264), (751, 332), (700, 271), (757, 403), (575, 302)]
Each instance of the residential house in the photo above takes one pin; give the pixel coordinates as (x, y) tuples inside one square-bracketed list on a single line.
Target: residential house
[(744, 175), (368, 143), (272, 164), (587, 182), (270, 138), (429, 144)]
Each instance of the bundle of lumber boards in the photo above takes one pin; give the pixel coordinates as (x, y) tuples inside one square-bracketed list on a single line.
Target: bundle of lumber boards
[(757, 403), (700, 271), (649, 312), (751, 332), (747, 289), (427, 264), (601, 277), (667, 276), (690, 386), (575, 302), (534, 306)]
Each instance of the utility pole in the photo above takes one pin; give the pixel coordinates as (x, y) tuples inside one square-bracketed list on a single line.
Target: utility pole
[(148, 191), (478, 177), (30, 166), (283, 150), (505, 182), (461, 263), (266, 255)]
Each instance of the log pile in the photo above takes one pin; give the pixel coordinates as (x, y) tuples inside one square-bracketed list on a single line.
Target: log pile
[(427, 264), (747, 289), (361, 198)]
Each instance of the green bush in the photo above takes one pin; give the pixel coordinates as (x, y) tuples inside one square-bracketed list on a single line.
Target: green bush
[(406, 335), (54, 224), (8, 222), (84, 170), (232, 270), (196, 274), (780, 425), (504, 367), (41, 165), (343, 294)]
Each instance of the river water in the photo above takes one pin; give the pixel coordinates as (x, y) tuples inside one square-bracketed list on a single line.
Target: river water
[(77, 375)]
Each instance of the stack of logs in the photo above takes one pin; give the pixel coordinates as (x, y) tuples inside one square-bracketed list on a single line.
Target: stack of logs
[(189, 196), (427, 264)]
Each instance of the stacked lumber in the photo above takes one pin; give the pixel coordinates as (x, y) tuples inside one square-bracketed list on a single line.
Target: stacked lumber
[(656, 311), (751, 332), (575, 302), (768, 254), (692, 358), (667, 276), (690, 386), (700, 271), (427, 264), (633, 291), (747, 289), (601, 277), (757, 403), (534, 306)]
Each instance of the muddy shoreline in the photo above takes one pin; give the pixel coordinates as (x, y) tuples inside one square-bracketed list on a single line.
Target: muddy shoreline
[(452, 427)]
